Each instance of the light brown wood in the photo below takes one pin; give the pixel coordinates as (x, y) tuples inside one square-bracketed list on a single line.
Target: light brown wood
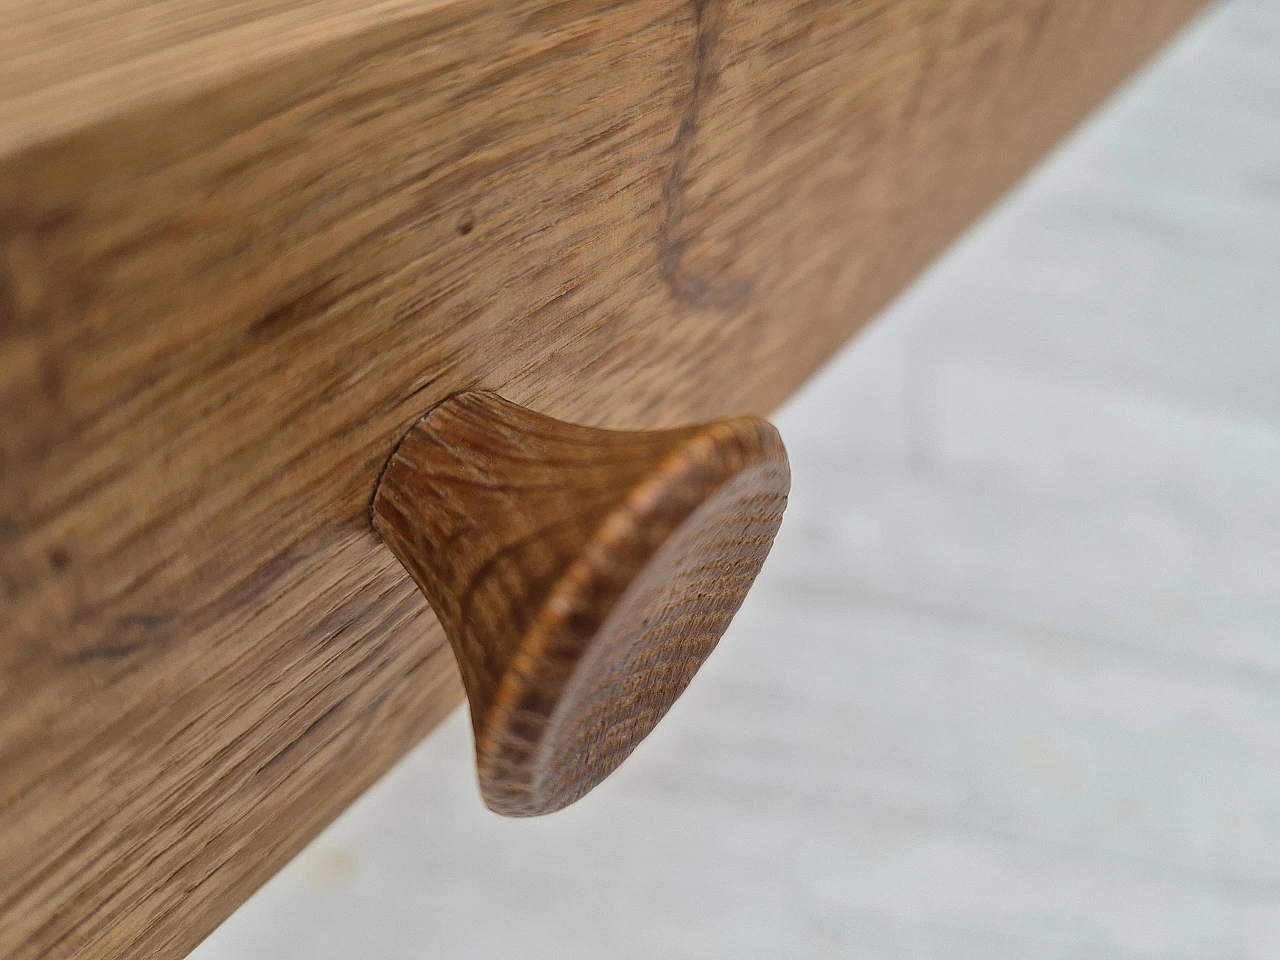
[(225, 296), (581, 576)]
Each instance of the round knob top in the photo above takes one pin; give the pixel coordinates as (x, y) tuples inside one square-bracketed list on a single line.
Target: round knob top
[(581, 575)]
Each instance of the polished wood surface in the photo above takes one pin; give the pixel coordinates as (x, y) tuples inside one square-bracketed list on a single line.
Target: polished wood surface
[(225, 297), (581, 576)]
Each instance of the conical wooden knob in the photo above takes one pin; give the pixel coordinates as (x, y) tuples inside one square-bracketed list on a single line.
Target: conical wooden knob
[(582, 576)]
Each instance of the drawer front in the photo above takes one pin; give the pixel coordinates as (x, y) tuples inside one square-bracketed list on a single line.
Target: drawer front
[(222, 307)]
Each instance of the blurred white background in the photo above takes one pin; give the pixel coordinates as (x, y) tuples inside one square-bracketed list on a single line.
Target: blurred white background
[(1009, 685)]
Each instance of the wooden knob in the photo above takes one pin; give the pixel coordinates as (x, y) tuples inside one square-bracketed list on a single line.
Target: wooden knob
[(581, 575)]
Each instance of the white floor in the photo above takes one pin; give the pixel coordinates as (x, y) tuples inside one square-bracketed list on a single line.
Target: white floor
[(1009, 686)]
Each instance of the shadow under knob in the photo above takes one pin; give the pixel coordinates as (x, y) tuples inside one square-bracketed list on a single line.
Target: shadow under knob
[(581, 576)]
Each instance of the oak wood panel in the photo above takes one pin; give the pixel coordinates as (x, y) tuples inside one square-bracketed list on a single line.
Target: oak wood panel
[(69, 63), (219, 313)]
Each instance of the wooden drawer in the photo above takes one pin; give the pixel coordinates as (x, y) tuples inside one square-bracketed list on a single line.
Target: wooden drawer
[(243, 247)]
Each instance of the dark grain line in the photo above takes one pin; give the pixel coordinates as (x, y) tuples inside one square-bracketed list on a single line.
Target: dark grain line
[(688, 287)]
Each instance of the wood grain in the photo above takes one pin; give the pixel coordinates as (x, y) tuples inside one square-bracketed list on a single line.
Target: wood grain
[(581, 576), (222, 305)]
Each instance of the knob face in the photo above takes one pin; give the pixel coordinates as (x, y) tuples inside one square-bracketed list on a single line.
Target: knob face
[(582, 576), (658, 633)]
